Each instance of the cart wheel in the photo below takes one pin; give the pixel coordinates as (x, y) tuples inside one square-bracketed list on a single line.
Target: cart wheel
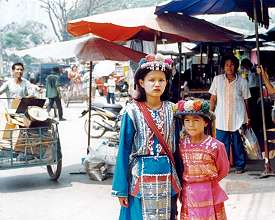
[(55, 170)]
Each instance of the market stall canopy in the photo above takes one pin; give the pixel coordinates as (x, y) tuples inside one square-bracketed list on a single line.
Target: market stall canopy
[(173, 49), (57, 50), (104, 68), (199, 7), (88, 48), (142, 23)]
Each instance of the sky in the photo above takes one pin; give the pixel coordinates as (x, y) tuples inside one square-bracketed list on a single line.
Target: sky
[(20, 11)]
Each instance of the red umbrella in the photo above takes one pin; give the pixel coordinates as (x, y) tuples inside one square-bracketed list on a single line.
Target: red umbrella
[(96, 49), (142, 23)]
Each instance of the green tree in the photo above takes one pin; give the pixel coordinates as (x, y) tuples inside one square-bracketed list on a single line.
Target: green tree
[(17, 36)]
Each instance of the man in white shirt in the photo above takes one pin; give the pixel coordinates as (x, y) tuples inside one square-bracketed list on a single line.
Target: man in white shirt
[(229, 94), (16, 87), (111, 86)]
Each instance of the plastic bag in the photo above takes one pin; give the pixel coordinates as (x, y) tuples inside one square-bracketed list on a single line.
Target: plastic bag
[(251, 144), (106, 151), (96, 169)]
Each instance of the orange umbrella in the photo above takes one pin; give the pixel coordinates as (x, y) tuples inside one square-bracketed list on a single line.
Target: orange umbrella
[(142, 23)]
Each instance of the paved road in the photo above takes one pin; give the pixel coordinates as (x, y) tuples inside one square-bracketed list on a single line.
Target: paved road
[(29, 194)]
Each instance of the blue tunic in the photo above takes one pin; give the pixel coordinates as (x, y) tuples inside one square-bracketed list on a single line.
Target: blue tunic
[(137, 139)]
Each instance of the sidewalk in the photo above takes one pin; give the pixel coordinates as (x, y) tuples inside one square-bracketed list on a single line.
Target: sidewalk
[(249, 182), (249, 196)]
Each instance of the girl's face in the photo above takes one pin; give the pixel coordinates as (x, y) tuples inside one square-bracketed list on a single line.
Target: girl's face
[(154, 83), (229, 67), (194, 124)]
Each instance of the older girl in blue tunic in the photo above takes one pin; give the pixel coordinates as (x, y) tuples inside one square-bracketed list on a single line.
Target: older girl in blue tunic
[(145, 180)]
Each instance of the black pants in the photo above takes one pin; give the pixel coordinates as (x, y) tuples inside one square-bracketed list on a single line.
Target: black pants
[(110, 96), (57, 101)]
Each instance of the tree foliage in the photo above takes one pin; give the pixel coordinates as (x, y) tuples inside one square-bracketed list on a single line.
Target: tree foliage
[(22, 36), (61, 11)]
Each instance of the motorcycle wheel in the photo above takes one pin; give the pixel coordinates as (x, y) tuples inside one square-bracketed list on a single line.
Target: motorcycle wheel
[(96, 129), (117, 96)]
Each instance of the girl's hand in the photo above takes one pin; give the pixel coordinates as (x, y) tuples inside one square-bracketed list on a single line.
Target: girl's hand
[(123, 201)]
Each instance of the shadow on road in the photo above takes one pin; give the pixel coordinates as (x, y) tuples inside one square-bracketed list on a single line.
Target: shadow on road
[(37, 178), (249, 182)]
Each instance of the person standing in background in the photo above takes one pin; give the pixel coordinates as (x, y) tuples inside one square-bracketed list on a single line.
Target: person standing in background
[(229, 99), (75, 78), (111, 88), (253, 102), (86, 85), (252, 78), (16, 87), (53, 94)]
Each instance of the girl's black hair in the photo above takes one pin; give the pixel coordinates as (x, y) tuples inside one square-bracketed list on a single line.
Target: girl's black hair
[(140, 74)]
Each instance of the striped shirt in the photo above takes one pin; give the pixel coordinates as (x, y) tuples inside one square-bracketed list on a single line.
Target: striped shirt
[(230, 108)]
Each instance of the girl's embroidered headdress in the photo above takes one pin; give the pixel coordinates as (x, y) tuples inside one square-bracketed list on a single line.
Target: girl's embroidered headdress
[(194, 106), (156, 62)]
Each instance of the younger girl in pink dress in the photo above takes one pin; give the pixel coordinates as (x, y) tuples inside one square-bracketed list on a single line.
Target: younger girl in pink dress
[(205, 163)]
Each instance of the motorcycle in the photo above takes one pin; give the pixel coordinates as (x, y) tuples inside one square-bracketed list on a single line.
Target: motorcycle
[(103, 119), (122, 90)]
